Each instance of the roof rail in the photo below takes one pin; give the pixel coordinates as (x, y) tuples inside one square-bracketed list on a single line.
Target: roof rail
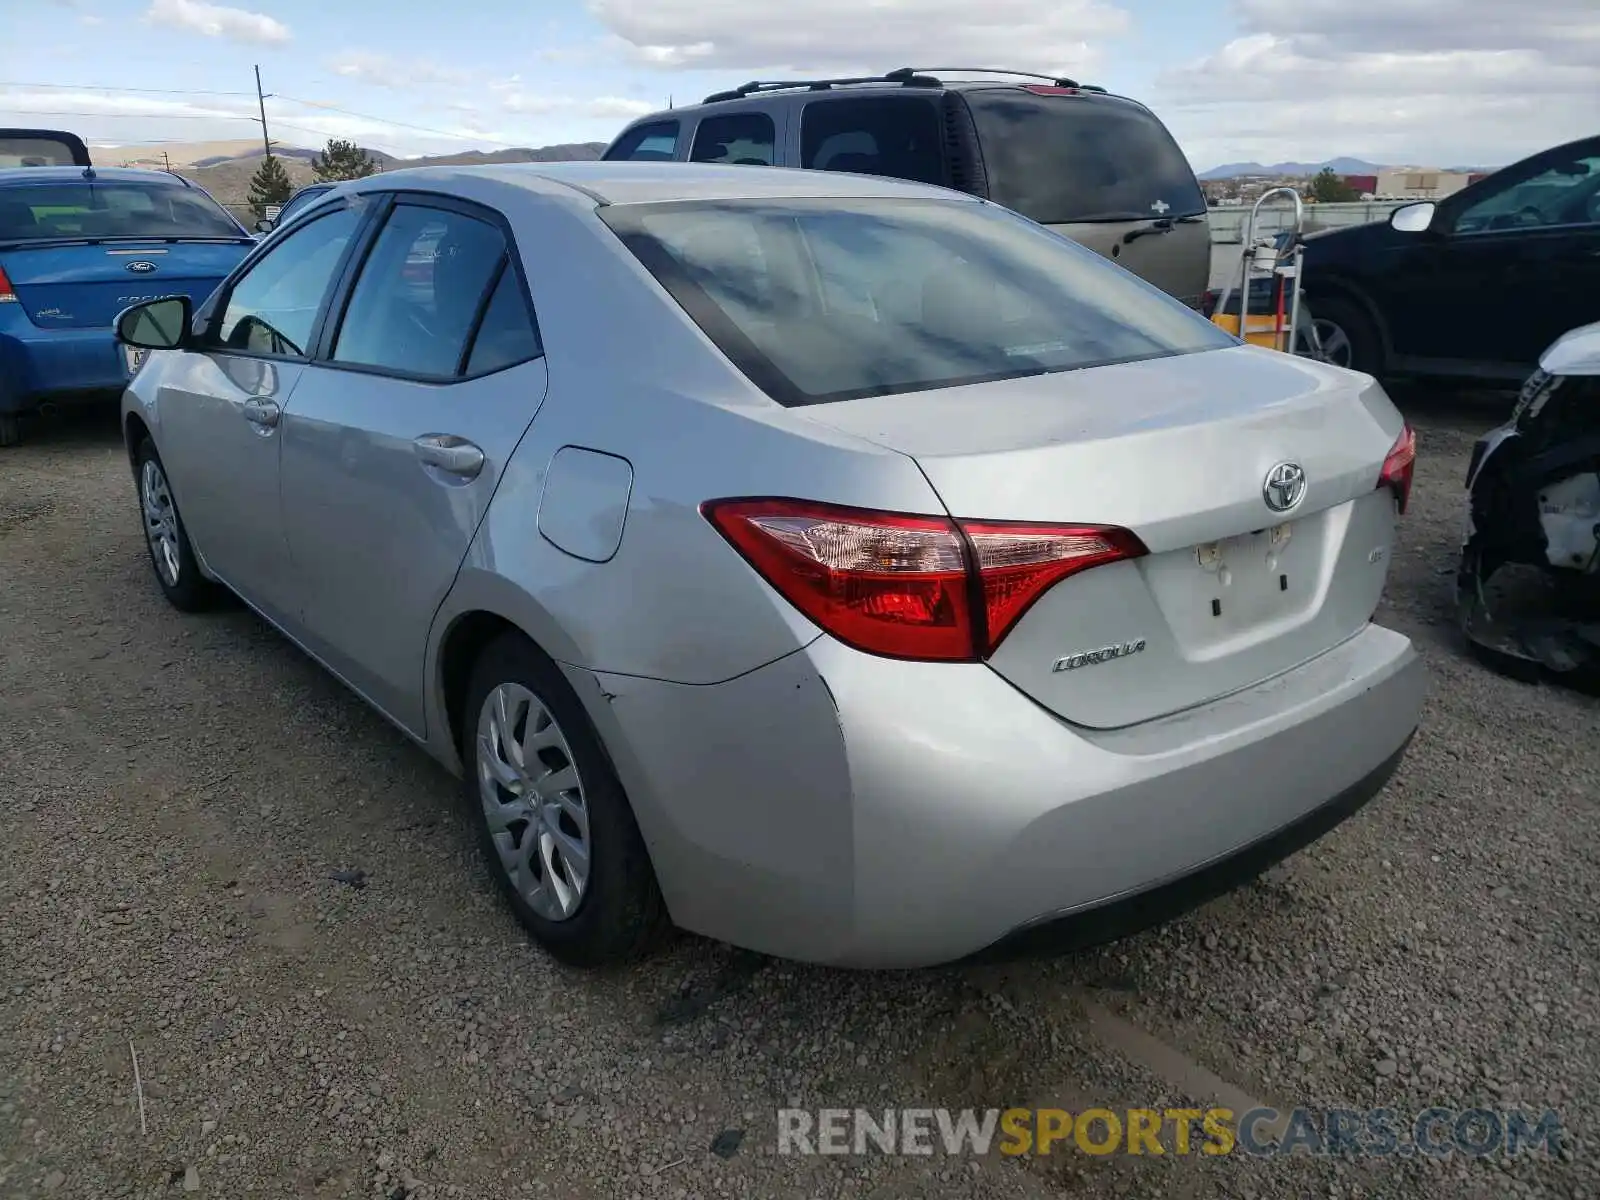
[(904, 77), (1054, 80)]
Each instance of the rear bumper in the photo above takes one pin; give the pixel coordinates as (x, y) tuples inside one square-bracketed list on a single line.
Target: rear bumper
[(39, 365), (845, 809)]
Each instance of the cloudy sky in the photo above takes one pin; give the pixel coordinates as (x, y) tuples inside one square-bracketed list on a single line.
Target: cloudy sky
[(1438, 82)]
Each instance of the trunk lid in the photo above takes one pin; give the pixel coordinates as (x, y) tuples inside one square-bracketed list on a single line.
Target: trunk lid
[(1177, 450), (85, 285)]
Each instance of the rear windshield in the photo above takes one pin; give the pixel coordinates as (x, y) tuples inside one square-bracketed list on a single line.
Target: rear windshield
[(835, 299), (110, 209), (1060, 159), (40, 149)]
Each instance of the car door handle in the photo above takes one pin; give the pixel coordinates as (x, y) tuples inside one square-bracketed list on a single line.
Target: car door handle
[(264, 413), (451, 454)]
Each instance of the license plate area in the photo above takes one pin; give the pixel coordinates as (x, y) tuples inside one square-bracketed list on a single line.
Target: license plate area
[(1249, 579), (133, 358)]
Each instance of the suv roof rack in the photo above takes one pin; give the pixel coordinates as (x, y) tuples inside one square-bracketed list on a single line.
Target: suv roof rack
[(1060, 81), (905, 77)]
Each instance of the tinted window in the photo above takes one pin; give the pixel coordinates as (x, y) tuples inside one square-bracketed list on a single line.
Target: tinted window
[(743, 138), (507, 334), (1058, 159), (1564, 193), (900, 136), (273, 307), (647, 143), (830, 300), (106, 208), (419, 291)]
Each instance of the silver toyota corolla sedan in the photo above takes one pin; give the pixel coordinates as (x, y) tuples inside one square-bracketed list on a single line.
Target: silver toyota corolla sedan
[(844, 568)]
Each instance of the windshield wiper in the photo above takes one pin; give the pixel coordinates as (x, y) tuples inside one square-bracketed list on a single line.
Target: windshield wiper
[(101, 240)]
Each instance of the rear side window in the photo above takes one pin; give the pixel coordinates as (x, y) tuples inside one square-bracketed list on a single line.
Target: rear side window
[(898, 136), (656, 142), (745, 139), (420, 292), (838, 299), (1059, 159), (507, 335)]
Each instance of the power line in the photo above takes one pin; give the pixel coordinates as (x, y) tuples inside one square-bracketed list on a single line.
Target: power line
[(397, 124), (38, 112), (95, 87)]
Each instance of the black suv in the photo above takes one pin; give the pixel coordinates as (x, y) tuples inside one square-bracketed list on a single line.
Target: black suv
[(1475, 285), (1100, 169)]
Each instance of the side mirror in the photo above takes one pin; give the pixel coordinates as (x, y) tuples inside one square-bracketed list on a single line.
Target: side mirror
[(1413, 218), (264, 225), (156, 324)]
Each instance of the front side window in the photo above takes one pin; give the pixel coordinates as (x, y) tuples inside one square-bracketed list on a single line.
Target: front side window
[(818, 301), (1560, 193), (898, 136), (420, 292), (745, 139), (656, 142), (111, 209), (273, 307), (1059, 159)]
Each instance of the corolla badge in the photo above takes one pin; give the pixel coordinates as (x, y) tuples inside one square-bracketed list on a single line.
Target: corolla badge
[(141, 266), (1091, 658), (1285, 486)]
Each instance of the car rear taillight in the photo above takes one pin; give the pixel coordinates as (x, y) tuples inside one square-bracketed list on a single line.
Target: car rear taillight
[(1399, 466), (8, 294), (909, 586)]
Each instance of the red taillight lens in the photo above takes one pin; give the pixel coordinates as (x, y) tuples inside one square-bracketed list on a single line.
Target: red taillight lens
[(905, 586), (1019, 563), (7, 292), (1399, 466)]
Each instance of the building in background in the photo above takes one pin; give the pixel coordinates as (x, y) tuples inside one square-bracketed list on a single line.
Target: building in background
[(1418, 183)]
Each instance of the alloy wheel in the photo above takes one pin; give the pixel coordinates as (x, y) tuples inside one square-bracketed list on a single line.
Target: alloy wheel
[(533, 801), (1335, 342), (160, 520)]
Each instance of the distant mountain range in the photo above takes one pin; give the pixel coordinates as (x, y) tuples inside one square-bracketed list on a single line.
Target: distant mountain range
[(227, 176), (1340, 166)]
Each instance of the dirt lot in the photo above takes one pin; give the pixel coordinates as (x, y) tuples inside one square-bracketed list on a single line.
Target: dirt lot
[(175, 794)]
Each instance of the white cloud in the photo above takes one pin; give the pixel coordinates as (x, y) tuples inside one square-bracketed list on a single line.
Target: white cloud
[(863, 35), (216, 20), (512, 98), (1449, 82), (384, 71)]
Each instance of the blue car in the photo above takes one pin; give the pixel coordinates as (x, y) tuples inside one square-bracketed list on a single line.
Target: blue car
[(77, 246)]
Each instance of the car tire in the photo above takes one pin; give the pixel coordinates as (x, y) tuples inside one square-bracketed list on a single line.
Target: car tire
[(1348, 335), (524, 733), (10, 429), (171, 555)]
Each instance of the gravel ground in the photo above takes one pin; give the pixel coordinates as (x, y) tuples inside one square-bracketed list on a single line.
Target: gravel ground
[(177, 794)]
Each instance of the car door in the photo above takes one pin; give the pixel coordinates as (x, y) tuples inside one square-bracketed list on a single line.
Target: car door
[(221, 407), (1506, 267), (398, 434)]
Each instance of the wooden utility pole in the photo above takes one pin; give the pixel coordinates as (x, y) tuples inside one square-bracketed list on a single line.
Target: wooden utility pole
[(261, 103)]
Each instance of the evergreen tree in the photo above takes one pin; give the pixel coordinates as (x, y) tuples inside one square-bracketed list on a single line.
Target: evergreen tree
[(1328, 188), (269, 185), (342, 160)]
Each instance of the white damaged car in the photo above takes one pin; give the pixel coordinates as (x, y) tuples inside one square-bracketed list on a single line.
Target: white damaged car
[(1528, 589)]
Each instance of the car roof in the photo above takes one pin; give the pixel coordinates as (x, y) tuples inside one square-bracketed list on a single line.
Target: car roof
[(90, 174), (800, 91), (652, 182)]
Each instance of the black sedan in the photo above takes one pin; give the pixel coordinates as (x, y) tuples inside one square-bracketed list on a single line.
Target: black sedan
[(1475, 285)]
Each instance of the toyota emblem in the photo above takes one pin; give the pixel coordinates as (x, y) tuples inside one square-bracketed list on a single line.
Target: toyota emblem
[(1285, 486), (141, 266)]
